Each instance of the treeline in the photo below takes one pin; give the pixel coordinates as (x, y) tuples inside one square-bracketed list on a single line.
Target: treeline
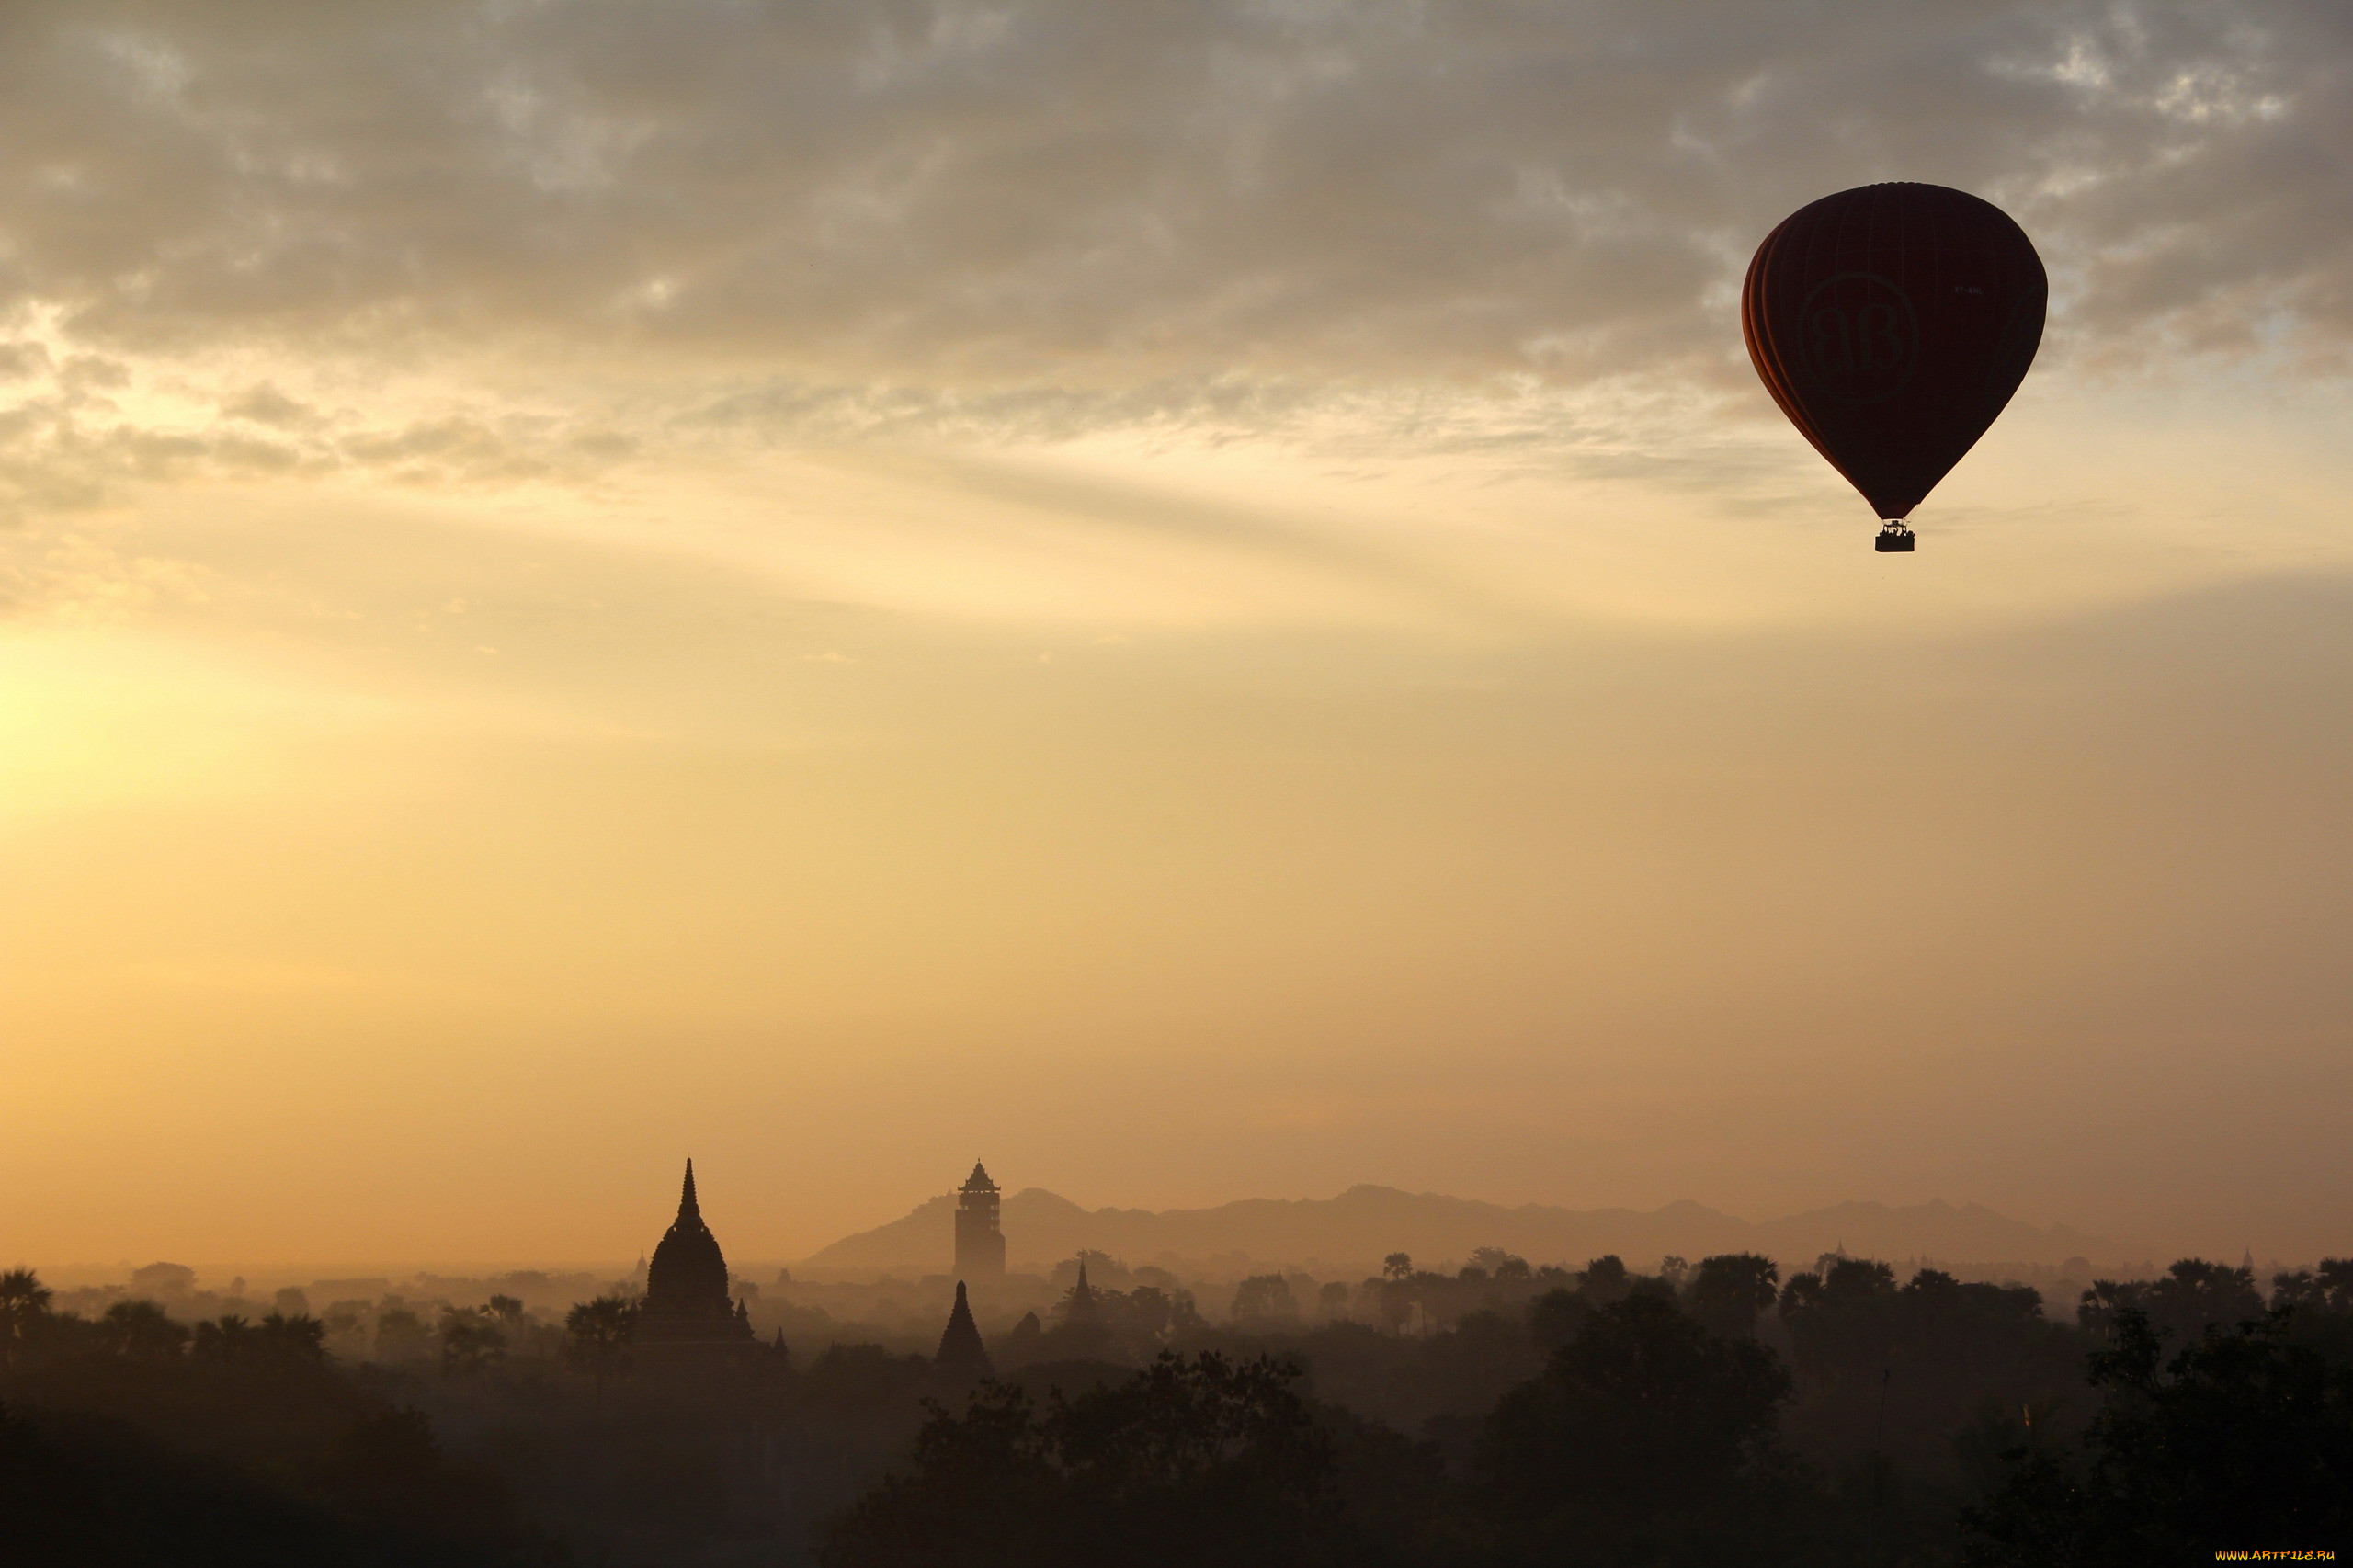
[(1712, 1413), (134, 1437), (1715, 1412)]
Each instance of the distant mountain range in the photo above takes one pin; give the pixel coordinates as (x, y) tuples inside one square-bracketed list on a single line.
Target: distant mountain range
[(1349, 1234)]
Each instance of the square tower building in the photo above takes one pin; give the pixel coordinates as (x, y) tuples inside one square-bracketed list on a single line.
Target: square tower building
[(979, 1244)]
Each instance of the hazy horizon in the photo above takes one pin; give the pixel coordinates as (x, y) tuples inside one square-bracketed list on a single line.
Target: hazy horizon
[(2127, 1252), (1199, 600)]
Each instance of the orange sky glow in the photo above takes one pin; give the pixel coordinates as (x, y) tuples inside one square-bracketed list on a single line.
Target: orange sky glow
[(1203, 608)]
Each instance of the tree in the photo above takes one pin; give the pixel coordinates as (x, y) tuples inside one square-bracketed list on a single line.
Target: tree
[(1728, 1290), (388, 1470), (979, 1485), (1841, 1324), (292, 1336), (224, 1338), (277, 1336), (163, 1279), (2192, 1297), (1557, 1317), (471, 1342), (1605, 1280), (1497, 1263), (401, 1335), (24, 1301), (1646, 1438), (596, 1337), (1187, 1462), (2243, 1437), (141, 1330), (1397, 1265), (1150, 1313), (1263, 1297)]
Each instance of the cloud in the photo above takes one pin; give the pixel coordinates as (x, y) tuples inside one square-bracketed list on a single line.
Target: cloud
[(265, 404), (1106, 198), (487, 244)]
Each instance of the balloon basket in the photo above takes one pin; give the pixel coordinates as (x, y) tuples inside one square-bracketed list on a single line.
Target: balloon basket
[(1894, 540)]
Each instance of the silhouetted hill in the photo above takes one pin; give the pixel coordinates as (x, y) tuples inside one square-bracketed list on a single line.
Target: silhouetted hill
[(1352, 1233)]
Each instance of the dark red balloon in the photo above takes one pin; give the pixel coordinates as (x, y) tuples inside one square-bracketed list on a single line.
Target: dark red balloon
[(1892, 324)]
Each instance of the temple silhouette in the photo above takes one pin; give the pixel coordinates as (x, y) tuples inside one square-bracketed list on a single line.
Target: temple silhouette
[(689, 1315), (961, 1354), (980, 1241), (691, 1318)]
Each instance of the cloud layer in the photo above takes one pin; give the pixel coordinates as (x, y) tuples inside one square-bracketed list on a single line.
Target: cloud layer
[(1107, 196)]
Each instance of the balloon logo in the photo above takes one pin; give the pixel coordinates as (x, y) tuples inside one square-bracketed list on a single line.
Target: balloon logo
[(1892, 324), (1862, 338)]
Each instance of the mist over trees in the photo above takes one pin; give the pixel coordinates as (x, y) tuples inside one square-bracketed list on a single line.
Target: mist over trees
[(1497, 1414)]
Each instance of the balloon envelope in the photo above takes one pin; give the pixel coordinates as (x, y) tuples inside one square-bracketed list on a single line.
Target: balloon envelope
[(1892, 324)]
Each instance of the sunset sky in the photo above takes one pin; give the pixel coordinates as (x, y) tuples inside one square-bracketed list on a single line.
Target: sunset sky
[(1196, 598)]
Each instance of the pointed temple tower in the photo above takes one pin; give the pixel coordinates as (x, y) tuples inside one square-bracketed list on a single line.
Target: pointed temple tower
[(686, 1316), (1084, 1311), (1082, 1332), (979, 1244), (961, 1354)]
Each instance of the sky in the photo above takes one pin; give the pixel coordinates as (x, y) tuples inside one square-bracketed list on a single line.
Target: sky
[(1198, 599)]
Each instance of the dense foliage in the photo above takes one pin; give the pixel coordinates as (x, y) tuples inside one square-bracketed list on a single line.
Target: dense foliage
[(1494, 1417)]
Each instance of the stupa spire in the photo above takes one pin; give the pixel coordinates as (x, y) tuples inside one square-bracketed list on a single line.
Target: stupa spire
[(1084, 1307), (960, 1350), (687, 1207)]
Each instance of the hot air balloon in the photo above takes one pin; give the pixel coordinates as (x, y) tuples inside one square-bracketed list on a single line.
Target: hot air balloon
[(1892, 324)]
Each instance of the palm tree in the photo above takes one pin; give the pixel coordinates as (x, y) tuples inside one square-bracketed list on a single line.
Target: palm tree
[(297, 1337), (140, 1329), (597, 1335), (24, 1301), (471, 1342), (224, 1338)]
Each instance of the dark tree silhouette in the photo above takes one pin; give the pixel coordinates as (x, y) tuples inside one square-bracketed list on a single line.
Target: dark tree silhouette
[(2193, 1295), (224, 1338), (472, 1343), (24, 1301), (1264, 1296), (1727, 1291), (142, 1329), (2242, 1442), (1839, 1320), (388, 1471), (596, 1337), (401, 1335), (1497, 1263), (1605, 1279), (293, 1337), (1187, 1463), (1557, 1317), (1646, 1438)]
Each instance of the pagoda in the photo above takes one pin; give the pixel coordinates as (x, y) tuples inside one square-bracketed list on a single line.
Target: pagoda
[(961, 1354), (979, 1244), (687, 1316)]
